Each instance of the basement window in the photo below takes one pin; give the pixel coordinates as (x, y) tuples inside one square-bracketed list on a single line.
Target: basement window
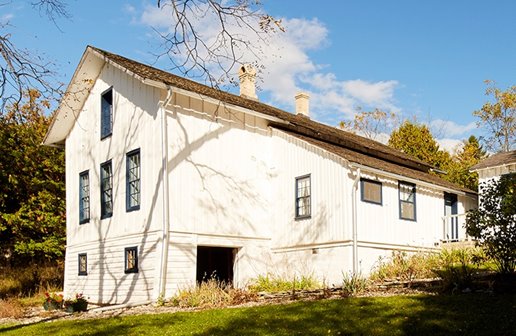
[(131, 259), (83, 264)]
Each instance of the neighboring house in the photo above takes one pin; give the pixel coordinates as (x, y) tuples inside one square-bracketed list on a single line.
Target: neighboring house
[(495, 166), (169, 181)]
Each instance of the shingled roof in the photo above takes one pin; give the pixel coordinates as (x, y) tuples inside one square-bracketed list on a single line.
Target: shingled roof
[(352, 147), (496, 160)]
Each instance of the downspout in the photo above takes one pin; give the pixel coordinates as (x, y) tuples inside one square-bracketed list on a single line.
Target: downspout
[(354, 219), (166, 201)]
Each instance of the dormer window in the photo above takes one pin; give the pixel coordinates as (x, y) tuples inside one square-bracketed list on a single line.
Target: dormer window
[(106, 113)]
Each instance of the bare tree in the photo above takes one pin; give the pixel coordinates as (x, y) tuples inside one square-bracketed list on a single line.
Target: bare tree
[(21, 69), (372, 124), (209, 39)]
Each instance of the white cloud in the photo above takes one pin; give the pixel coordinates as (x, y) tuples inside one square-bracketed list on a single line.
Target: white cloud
[(289, 69), (159, 18), (450, 145), (451, 128), (4, 19)]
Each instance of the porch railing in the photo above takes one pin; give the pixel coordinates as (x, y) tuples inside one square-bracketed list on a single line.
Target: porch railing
[(454, 228)]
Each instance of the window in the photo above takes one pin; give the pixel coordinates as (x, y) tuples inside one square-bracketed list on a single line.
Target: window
[(407, 192), (83, 264), (133, 180), (131, 259), (106, 113), (84, 197), (106, 190), (303, 194), (371, 191)]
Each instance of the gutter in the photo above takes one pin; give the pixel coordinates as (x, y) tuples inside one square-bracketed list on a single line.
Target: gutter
[(354, 220), (165, 237), (408, 179)]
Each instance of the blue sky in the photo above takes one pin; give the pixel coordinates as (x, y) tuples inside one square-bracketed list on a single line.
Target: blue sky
[(426, 59)]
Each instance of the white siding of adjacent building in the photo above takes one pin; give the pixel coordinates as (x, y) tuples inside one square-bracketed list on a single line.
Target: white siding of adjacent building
[(488, 174)]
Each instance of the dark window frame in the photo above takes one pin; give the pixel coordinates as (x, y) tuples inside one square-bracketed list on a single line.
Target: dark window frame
[(363, 181), (84, 199), (127, 251), (299, 198), (400, 201), (104, 190), (79, 257), (129, 183), (106, 130)]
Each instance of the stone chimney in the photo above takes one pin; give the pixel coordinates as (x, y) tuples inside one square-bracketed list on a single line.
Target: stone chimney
[(247, 75), (303, 104)]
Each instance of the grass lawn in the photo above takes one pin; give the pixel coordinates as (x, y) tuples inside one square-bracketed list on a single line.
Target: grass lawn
[(472, 314)]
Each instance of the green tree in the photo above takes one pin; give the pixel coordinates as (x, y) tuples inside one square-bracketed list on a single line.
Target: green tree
[(32, 196), (469, 155), (417, 141), (499, 117), (493, 224)]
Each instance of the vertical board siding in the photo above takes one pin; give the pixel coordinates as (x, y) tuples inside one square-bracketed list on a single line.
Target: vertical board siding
[(330, 200), (135, 121), (219, 171)]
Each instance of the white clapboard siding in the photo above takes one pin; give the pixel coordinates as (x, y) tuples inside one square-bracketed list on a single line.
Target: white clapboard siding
[(106, 280)]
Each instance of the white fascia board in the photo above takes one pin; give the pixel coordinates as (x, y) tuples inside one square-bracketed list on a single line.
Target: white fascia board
[(73, 100), (405, 178), (187, 93)]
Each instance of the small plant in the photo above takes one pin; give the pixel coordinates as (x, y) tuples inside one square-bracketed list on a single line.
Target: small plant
[(271, 283), (160, 302), (53, 301), (353, 284), (79, 304)]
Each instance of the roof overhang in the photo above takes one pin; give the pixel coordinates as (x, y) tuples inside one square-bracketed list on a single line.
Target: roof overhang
[(73, 99)]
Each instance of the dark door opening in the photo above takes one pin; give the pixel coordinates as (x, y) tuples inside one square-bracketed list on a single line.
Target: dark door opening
[(215, 263)]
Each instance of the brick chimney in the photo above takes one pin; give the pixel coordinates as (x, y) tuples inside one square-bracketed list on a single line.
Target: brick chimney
[(303, 104), (247, 75)]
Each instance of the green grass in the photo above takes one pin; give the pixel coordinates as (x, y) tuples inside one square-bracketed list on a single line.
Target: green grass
[(473, 314)]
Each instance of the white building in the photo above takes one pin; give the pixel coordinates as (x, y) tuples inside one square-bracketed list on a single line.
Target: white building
[(495, 166), (169, 180)]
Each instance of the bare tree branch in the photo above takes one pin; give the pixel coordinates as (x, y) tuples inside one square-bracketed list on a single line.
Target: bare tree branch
[(209, 39), (21, 69)]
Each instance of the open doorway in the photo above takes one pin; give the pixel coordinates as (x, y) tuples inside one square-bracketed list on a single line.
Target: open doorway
[(215, 263)]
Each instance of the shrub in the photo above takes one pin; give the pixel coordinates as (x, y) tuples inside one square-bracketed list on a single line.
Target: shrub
[(493, 224), (273, 283), (457, 267), (406, 267), (11, 308), (29, 280), (353, 284), (210, 293)]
